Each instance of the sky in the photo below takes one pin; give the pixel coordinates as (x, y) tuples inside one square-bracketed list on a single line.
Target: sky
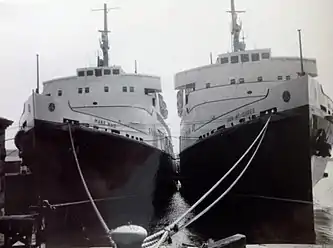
[(164, 36)]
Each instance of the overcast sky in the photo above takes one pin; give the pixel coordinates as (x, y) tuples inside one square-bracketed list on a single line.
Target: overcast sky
[(164, 36)]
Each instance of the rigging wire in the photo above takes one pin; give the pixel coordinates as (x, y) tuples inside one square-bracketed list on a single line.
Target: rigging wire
[(104, 225), (167, 231), (172, 225)]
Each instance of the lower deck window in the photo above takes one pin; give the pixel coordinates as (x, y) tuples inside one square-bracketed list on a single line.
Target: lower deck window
[(59, 92), (265, 55), (255, 57), (224, 60), (245, 58), (234, 59), (86, 89), (80, 73), (98, 72)]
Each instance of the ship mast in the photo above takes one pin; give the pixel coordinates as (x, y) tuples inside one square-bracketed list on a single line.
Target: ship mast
[(105, 38), (236, 29), (104, 42)]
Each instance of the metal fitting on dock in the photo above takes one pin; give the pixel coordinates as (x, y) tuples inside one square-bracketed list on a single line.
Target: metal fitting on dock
[(129, 236)]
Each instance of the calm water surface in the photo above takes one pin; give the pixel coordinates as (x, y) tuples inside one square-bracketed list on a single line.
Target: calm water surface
[(323, 209)]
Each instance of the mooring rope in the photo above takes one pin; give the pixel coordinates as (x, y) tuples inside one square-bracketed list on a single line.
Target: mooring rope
[(101, 220), (172, 225), (66, 204), (228, 189), (280, 199), (165, 233)]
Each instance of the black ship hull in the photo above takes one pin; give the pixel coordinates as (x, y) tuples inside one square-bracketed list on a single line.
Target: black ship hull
[(273, 201), (127, 178)]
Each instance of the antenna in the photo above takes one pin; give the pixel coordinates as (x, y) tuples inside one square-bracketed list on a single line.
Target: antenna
[(211, 58), (104, 43), (301, 51), (37, 58), (236, 29), (135, 67)]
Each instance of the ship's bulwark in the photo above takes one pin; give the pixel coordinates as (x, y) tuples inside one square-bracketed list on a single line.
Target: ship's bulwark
[(281, 169), (123, 172)]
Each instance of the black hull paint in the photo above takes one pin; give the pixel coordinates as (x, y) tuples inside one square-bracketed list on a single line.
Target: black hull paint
[(128, 175), (281, 169)]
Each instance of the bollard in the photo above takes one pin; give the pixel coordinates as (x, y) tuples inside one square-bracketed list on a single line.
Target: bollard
[(129, 236)]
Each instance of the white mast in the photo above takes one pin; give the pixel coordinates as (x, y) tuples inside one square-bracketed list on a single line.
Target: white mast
[(104, 42), (236, 29)]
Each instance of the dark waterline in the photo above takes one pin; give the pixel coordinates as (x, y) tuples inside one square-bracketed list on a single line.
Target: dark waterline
[(323, 211)]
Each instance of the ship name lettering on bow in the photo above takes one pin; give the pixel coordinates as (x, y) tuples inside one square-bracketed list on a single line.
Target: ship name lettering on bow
[(241, 115), (105, 123)]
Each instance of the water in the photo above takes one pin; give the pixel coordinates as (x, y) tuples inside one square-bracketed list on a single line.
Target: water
[(323, 215)]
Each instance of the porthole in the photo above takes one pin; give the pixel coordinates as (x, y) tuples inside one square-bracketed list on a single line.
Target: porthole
[(286, 96), (51, 107)]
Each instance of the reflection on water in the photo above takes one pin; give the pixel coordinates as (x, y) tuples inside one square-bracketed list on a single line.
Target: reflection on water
[(323, 214)]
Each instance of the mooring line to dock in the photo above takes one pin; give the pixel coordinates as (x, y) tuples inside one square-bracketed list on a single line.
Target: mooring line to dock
[(173, 226), (66, 204), (228, 189), (104, 225), (277, 199)]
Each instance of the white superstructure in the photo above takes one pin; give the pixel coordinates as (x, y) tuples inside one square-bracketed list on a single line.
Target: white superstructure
[(105, 98), (241, 86)]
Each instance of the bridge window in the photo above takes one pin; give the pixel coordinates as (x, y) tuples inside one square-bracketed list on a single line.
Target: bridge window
[(245, 58), (234, 59), (59, 92), (241, 80), (90, 73), (80, 73), (255, 57), (265, 55), (232, 81), (260, 79), (86, 90), (280, 78), (79, 90), (124, 89), (207, 85), (288, 77), (115, 71), (106, 88), (98, 72), (131, 89), (107, 72), (224, 60)]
